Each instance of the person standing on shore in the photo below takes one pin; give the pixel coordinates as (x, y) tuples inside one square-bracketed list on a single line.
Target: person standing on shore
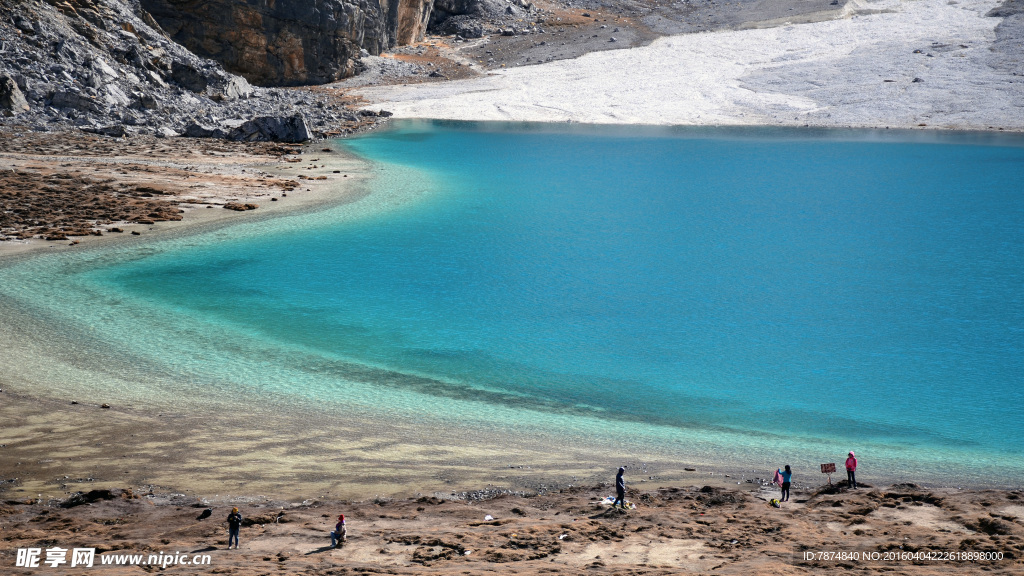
[(787, 476), (851, 469), (234, 523), (340, 534), (620, 488)]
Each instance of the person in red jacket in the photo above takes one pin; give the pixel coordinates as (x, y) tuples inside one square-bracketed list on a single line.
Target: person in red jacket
[(851, 469), (340, 533)]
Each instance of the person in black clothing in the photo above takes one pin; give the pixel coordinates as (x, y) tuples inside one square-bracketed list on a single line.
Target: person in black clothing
[(620, 489), (234, 523)]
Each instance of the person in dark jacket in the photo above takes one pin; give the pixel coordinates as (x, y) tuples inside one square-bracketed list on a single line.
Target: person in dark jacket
[(620, 489), (234, 523)]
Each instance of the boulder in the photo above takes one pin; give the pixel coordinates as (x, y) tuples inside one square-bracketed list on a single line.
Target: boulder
[(188, 76), (234, 88), (113, 130), (462, 25), (272, 128), (75, 100), (100, 66), (465, 17), (261, 128), (24, 24), (147, 102), (12, 101), (155, 79), (114, 96), (446, 8), (197, 130)]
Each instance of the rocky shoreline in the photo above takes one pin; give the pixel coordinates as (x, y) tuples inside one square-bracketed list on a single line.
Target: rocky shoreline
[(899, 529), (65, 188)]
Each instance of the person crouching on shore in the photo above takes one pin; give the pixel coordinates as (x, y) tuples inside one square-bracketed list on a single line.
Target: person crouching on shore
[(340, 534)]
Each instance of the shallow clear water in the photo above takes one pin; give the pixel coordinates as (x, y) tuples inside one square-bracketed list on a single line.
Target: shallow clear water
[(734, 292)]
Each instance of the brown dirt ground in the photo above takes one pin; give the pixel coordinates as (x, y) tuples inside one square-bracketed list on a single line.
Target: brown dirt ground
[(672, 531)]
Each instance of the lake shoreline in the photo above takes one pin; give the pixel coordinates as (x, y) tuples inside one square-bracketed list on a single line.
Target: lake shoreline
[(199, 184)]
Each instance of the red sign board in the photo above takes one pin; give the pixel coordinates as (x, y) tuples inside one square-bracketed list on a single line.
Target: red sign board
[(828, 468)]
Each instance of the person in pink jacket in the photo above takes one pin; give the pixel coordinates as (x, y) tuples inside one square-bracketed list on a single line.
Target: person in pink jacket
[(851, 469)]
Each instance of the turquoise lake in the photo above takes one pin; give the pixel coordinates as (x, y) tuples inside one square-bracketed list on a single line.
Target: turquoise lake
[(744, 293)]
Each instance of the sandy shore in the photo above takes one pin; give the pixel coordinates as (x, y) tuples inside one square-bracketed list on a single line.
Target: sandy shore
[(881, 63)]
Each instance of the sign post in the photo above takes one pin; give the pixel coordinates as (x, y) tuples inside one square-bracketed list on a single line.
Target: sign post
[(828, 469)]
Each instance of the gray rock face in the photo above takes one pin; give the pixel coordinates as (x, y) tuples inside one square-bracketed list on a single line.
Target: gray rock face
[(446, 8), (290, 42), (102, 66), (462, 25), (468, 18), (12, 101)]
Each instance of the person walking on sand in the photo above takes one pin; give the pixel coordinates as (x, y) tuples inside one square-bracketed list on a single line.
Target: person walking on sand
[(620, 489), (787, 476), (234, 523), (340, 534), (851, 469)]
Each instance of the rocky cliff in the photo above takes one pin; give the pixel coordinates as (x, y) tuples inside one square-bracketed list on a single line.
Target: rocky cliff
[(290, 42), (105, 66)]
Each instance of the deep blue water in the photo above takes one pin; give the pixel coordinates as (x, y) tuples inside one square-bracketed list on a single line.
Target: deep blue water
[(838, 289)]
